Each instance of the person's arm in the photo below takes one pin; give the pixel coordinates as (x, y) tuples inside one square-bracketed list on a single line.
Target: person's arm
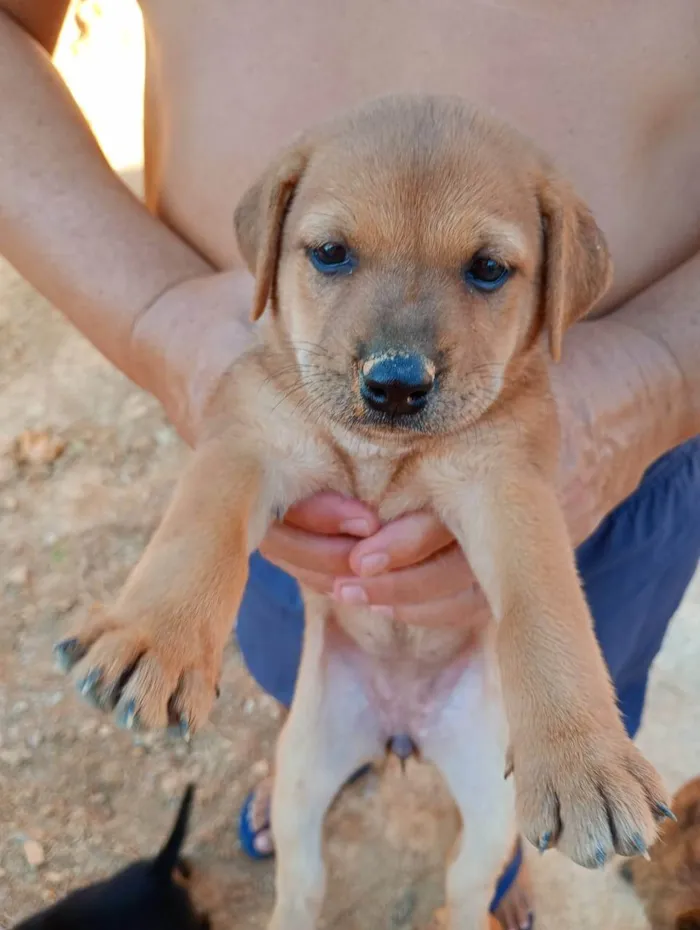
[(628, 391), (76, 233)]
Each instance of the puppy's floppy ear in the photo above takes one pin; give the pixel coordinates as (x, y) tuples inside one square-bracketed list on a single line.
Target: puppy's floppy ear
[(259, 221), (689, 920), (577, 266)]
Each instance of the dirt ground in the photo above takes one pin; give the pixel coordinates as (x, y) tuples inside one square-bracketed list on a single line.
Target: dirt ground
[(77, 797)]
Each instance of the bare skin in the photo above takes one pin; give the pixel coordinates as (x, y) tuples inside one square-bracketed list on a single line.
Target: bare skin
[(162, 293)]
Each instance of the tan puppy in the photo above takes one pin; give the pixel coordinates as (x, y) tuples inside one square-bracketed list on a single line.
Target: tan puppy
[(409, 255), (669, 882)]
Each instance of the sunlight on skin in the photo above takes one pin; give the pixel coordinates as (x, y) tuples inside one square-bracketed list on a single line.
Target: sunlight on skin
[(104, 69)]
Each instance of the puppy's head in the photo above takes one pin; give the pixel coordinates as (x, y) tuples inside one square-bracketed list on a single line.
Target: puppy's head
[(411, 253)]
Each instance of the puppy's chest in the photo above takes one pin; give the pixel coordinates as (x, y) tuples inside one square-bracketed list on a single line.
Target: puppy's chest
[(302, 462)]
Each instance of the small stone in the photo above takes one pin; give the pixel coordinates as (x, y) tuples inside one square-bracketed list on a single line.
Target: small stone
[(17, 577), (271, 707), (170, 784), (38, 447), (34, 740), (248, 706), (15, 757), (439, 921), (34, 853), (165, 436), (260, 769), (105, 730), (53, 878), (9, 503), (8, 469)]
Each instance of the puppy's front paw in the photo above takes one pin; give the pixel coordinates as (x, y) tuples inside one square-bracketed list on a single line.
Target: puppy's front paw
[(589, 795), (150, 674)]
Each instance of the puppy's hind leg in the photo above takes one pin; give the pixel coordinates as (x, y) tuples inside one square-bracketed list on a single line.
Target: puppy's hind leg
[(330, 733), (468, 744)]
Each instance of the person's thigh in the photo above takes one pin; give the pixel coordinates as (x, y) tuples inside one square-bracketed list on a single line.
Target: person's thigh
[(635, 569)]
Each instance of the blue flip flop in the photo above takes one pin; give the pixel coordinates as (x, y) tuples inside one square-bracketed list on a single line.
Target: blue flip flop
[(247, 835), (505, 882)]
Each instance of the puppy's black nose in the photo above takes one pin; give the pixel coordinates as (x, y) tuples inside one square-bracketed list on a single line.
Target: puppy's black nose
[(397, 384)]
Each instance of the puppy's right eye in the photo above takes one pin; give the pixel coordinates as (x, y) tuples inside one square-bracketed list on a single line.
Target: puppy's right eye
[(332, 258)]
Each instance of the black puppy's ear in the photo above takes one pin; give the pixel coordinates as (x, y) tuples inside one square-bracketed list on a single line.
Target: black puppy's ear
[(259, 221), (689, 920), (577, 264)]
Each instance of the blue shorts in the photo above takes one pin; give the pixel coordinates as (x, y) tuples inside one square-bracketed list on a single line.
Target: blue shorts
[(635, 569)]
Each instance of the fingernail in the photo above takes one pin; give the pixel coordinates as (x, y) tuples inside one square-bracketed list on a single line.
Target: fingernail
[(544, 842), (639, 843), (185, 728), (356, 527), (352, 594), (383, 611), (374, 564), (601, 857)]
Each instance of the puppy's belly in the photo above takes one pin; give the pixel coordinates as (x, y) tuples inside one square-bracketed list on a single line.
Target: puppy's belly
[(410, 677)]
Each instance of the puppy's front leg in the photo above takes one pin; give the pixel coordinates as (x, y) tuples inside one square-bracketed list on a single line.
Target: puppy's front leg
[(580, 782), (155, 656), (329, 734)]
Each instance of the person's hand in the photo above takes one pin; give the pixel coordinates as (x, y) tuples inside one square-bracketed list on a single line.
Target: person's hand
[(411, 569)]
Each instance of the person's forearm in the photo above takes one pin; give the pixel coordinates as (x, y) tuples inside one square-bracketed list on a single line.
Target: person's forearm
[(67, 222), (630, 383)]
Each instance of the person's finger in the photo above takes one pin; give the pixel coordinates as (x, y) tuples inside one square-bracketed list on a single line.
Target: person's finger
[(405, 541), (323, 584), (333, 514), (444, 575), (327, 555), (468, 610)]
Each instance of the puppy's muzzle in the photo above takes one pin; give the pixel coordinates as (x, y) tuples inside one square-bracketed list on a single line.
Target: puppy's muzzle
[(395, 383)]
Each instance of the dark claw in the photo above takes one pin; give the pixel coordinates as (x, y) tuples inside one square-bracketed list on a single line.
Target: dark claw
[(665, 813), (128, 718), (626, 873), (68, 652), (184, 727), (88, 685), (544, 842), (639, 844), (601, 857), (217, 691)]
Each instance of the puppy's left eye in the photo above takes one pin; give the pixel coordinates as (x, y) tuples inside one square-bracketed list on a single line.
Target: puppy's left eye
[(485, 273), (332, 258)]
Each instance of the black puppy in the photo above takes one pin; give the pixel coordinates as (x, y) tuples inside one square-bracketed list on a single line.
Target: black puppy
[(144, 896)]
